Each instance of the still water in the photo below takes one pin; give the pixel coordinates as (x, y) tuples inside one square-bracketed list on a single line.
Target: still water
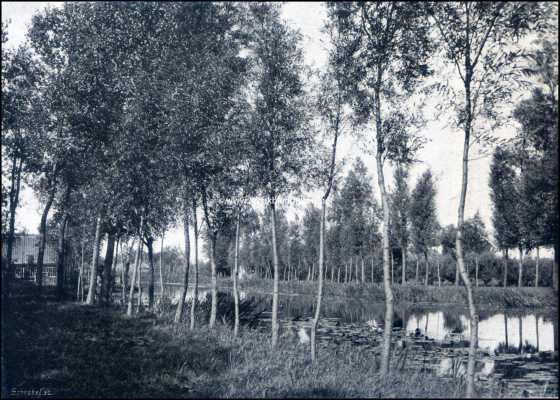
[(517, 347)]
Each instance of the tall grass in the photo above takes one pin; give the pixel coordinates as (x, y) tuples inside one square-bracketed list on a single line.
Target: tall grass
[(89, 352)]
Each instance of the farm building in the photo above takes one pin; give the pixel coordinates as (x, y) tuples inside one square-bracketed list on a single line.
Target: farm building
[(24, 258)]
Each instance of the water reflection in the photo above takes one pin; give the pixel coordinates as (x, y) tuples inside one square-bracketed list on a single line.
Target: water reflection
[(529, 333)]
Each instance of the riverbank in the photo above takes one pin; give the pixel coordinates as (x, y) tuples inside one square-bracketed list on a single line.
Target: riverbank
[(491, 297), (73, 350)]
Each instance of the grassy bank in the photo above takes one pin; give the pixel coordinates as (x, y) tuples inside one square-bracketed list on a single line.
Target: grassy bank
[(89, 352), (484, 296)]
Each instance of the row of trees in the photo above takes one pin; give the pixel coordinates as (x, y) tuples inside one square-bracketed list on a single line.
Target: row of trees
[(125, 118), (524, 173)]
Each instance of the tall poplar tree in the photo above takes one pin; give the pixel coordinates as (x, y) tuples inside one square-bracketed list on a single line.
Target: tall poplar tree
[(280, 139)]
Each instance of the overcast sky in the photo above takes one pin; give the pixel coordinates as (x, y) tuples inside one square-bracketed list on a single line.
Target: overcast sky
[(442, 153)]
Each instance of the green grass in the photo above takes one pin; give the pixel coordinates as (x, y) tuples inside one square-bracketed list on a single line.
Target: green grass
[(91, 352)]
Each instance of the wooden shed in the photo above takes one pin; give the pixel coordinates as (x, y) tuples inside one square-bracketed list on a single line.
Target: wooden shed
[(24, 258)]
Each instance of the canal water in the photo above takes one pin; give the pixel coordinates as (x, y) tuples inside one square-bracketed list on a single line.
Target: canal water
[(517, 348)]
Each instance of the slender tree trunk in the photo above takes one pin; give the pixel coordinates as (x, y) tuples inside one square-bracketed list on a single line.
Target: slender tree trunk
[(371, 269), (81, 275), (537, 268), (427, 269), (114, 268), (136, 267), (15, 183), (387, 331), (476, 269), (555, 265), (417, 269), (139, 281), (181, 303), (214, 307), (151, 283), (386, 349), (456, 273), (94, 260), (235, 277), (125, 272), (363, 271), (106, 277), (60, 258), (392, 269), (195, 291), (438, 275), (520, 278), (161, 267), (275, 286), (459, 238), (312, 271), (320, 288), (506, 330), (505, 267), (43, 238), (537, 331), (346, 272), (403, 260), (520, 335)]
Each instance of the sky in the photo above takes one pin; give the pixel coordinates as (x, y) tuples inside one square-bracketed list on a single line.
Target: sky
[(442, 153)]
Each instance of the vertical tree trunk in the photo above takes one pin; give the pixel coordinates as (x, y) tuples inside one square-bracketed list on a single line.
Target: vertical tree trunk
[(161, 267), (136, 267), (106, 277), (505, 267), (372, 269), (43, 238), (320, 288), (195, 289), (459, 238), (275, 286), (60, 258), (537, 332), (520, 350), (392, 269), (79, 296), (346, 272), (363, 271), (520, 277), (456, 273), (214, 306), (555, 265), (537, 268), (387, 331), (403, 260), (417, 269), (150, 245), (312, 271), (181, 303), (15, 183), (125, 273), (506, 331), (438, 275), (114, 268), (139, 281), (427, 269), (476, 269), (94, 260), (235, 276)]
